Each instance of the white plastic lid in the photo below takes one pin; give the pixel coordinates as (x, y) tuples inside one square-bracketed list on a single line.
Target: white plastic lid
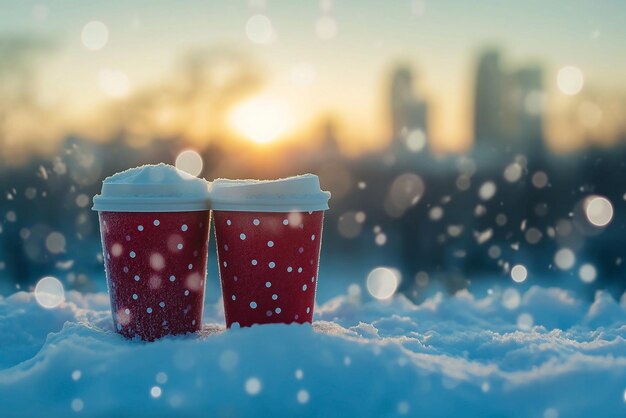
[(152, 188), (299, 193)]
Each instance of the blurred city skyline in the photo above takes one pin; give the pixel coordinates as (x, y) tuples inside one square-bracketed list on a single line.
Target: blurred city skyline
[(258, 71), (441, 129)]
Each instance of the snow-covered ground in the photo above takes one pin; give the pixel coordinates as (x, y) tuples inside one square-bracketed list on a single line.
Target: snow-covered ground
[(543, 353)]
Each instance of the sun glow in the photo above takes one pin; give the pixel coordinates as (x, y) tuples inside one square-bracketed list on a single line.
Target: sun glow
[(261, 119)]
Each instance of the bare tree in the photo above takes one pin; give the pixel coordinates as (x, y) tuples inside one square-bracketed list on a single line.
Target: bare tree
[(197, 95), (19, 62)]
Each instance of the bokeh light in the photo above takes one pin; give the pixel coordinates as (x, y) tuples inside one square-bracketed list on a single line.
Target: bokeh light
[(533, 235), (463, 182), (435, 213), (406, 190), (565, 259), (570, 80), (587, 273), (259, 29), (157, 261), (190, 162), (551, 413), (49, 292), (455, 230), (303, 396), (511, 299), (194, 281), (513, 172), (155, 392), (382, 282), (95, 35), (55, 243), (519, 273), (253, 386), (525, 321), (354, 292), (487, 190), (77, 405), (11, 216), (294, 219), (494, 251), (403, 408), (116, 249), (82, 200), (349, 225), (30, 193), (599, 210), (540, 179), (415, 140)]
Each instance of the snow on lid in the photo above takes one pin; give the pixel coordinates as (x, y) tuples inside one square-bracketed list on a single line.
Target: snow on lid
[(282, 195), (152, 188)]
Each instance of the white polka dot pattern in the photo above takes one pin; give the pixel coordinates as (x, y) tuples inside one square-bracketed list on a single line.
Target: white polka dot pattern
[(259, 255), (147, 256)]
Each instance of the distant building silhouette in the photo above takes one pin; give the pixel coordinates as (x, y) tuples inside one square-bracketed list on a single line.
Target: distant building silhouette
[(330, 141), (528, 109), (508, 106), (489, 96), (408, 110)]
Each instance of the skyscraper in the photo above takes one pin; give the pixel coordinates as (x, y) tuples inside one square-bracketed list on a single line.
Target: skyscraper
[(408, 109), (528, 106), (489, 110), (508, 106)]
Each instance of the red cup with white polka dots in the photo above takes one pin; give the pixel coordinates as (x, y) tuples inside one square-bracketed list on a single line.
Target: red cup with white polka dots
[(268, 236), (154, 224)]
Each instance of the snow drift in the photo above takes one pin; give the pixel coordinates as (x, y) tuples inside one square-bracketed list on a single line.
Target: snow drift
[(543, 353)]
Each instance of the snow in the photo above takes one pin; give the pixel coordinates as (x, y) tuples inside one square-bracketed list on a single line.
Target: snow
[(152, 173), (538, 353), (301, 193), (152, 188)]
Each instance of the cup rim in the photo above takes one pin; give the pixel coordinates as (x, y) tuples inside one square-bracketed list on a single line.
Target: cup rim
[(267, 205), (149, 204)]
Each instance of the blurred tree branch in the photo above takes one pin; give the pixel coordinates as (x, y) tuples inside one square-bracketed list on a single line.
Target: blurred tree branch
[(20, 57), (193, 101)]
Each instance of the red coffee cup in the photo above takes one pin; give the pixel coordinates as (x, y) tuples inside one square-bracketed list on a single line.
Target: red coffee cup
[(154, 224), (268, 236)]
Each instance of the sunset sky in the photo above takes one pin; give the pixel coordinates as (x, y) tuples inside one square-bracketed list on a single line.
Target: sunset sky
[(320, 58)]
